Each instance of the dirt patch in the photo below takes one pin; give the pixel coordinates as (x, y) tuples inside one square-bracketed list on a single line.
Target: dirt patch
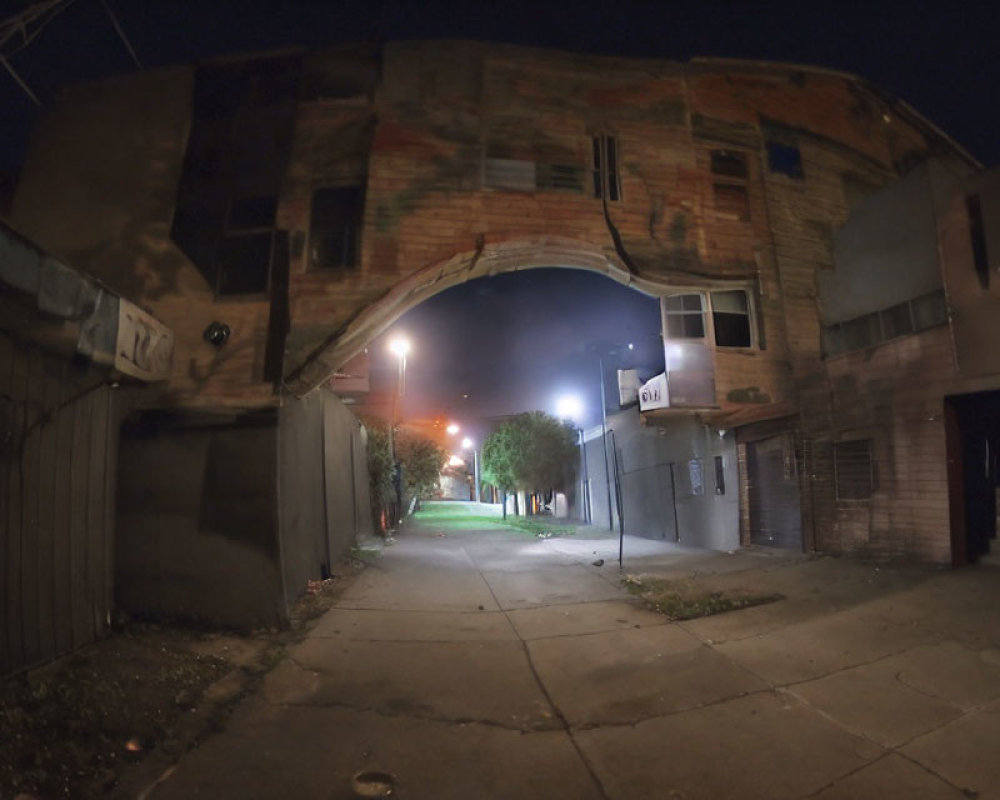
[(681, 600), (112, 716)]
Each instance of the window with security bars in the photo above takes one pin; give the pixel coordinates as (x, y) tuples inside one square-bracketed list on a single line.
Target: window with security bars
[(607, 182), (854, 471)]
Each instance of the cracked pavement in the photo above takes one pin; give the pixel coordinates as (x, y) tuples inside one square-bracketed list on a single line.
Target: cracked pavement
[(490, 665)]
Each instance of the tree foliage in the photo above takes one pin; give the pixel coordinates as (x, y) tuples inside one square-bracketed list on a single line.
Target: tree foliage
[(422, 461), (531, 452)]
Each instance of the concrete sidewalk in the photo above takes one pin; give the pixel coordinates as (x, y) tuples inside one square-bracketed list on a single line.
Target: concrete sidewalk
[(494, 665)]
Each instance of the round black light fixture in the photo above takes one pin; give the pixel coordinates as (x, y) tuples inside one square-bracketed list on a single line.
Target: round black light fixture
[(217, 333)]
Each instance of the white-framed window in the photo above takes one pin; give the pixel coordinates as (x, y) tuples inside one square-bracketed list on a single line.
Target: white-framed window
[(685, 316)]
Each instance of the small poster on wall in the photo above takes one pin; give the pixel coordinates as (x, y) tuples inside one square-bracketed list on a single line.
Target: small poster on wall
[(697, 481)]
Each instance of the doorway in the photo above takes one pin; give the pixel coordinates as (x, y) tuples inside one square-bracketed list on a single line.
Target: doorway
[(972, 429), (773, 493)]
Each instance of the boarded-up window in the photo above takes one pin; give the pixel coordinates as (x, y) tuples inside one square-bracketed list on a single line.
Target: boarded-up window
[(529, 176), (730, 163), (853, 469), (335, 227)]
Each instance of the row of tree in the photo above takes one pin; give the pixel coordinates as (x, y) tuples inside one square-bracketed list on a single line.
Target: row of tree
[(531, 452)]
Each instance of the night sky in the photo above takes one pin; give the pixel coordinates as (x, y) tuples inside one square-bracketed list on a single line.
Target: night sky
[(483, 339)]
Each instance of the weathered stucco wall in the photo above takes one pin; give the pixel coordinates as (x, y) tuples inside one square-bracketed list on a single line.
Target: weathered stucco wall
[(197, 524), (658, 498)]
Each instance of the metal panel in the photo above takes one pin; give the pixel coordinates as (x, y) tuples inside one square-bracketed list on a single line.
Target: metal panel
[(773, 493), (55, 429)]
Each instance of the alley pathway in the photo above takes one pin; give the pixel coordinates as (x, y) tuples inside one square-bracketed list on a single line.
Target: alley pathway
[(492, 664)]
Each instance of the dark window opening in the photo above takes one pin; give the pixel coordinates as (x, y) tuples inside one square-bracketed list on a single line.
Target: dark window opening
[(564, 177), (978, 233), (785, 160), (732, 200), (685, 316), (720, 476), (605, 168), (731, 318), (335, 227), (896, 321), (729, 163), (245, 263), (854, 472), (252, 212)]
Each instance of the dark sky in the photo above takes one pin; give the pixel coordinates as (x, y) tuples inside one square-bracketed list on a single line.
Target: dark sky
[(518, 341), (941, 58)]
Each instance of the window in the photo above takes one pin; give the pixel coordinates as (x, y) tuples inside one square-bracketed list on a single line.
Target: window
[(528, 176), (904, 319), (720, 475), (732, 201), (978, 233), (335, 227), (730, 163), (730, 309), (605, 168), (731, 318), (246, 249), (785, 160), (853, 469), (685, 316)]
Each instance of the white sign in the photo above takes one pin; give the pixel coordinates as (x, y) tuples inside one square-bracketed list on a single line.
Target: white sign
[(653, 393), (145, 345)]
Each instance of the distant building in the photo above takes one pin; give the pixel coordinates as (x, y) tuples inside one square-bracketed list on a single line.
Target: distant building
[(824, 256)]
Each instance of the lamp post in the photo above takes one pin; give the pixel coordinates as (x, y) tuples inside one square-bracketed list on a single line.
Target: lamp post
[(400, 347), (468, 444), (611, 350), (570, 408)]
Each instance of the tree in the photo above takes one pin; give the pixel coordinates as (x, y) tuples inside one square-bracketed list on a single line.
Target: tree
[(422, 462), (532, 452), (380, 471)]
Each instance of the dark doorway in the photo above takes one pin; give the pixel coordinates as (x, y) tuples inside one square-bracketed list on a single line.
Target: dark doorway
[(972, 424), (773, 493)]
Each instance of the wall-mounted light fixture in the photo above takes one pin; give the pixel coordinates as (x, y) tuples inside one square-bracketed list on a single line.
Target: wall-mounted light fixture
[(217, 333)]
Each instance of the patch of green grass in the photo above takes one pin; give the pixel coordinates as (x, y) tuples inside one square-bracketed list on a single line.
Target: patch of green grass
[(458, 518), (666, 598)]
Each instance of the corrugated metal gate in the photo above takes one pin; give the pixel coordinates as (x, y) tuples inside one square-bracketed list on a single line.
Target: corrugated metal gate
[(58, 449), (773, 493)]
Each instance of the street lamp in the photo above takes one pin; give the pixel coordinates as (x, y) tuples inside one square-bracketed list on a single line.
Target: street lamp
[(570, 407), (468, 444), (399, 346), (452, 429)]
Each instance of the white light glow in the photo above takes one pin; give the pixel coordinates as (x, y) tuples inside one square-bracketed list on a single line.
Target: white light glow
[(467, 443), (569, 406), (452, 428), (400, 346)]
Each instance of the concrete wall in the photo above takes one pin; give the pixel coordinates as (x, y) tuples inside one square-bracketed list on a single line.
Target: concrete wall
[(659, 500), (323, 487), (197, 532)]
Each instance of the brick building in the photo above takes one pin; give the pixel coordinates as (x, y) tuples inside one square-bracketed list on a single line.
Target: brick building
[(306, 199)]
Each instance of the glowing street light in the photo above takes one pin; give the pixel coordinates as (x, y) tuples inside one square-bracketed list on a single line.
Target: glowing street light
[(570, 407), (452, 429), (468, 444)]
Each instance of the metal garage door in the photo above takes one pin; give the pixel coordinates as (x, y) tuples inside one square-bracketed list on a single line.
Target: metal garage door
[(773, 490)]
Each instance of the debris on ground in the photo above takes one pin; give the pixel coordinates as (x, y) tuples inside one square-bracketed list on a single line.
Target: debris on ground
[(679, 601), (98, 720)]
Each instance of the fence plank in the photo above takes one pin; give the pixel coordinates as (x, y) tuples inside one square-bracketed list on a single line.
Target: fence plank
[(79, 413), (48, 459), (97, 532), (62, 567), (10, 434)]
